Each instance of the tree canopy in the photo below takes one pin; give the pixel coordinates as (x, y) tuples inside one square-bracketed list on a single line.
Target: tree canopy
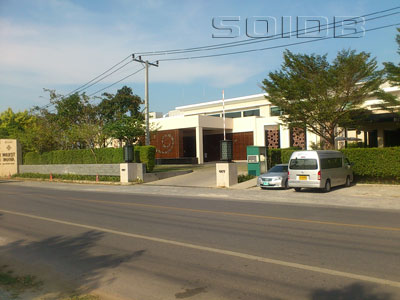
[(323, 96)]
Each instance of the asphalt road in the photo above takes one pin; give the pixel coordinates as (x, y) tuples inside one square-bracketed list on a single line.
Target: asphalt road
[(135, 246)]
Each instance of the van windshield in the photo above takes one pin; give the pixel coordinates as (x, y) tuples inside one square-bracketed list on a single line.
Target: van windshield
[(303, 164)]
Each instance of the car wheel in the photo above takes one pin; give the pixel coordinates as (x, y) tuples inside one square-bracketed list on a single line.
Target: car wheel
[(297, 189), (348, 181), (327, 188), (286, 184)]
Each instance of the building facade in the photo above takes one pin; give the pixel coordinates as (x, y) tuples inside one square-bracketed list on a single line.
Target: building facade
[(195, 131)]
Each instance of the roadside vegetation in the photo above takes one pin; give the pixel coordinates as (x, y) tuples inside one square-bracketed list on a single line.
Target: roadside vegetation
[(14, 285), (68, 177), (245, 177), (82, 297)]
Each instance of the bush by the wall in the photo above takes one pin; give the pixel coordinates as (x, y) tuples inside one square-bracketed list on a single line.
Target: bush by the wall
[(279, 156), (33, 158), (144, 154), (82, 156), (136, 154), (148, 157), (375, 163)]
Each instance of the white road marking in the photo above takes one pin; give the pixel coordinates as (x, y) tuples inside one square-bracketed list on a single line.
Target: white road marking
[(219, 251)]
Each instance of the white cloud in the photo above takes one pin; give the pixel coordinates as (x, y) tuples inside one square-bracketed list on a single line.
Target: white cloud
[(36, 55)]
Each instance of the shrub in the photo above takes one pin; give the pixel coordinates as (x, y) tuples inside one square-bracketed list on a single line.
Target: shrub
[(148, 157), (243, 178), (136, 154), (82, 156), (279, 156), (144, 154), (32, 158), (378, 163)]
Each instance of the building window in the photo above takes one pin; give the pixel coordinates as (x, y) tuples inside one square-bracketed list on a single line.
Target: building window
[(253, 112), (236, 114), (216, 115), (275, 111)]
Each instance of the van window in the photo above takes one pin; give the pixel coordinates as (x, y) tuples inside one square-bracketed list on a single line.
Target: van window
[(303, 164), (331, 163)]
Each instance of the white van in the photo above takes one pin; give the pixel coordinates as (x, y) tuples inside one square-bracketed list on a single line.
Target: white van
[(321, 169)]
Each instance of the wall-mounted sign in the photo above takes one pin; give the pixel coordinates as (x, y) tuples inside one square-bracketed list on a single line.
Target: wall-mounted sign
[(252, 159)]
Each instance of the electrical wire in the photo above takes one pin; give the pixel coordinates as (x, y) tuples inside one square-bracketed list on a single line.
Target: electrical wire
[(272, 47), (251, 40), (100, 79), (116, 82), (269, 39), (88, 84), (221, 46), (109, 69)]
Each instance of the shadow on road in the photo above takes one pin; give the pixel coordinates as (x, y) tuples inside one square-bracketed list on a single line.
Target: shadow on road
[(68, 258), (354, 291)]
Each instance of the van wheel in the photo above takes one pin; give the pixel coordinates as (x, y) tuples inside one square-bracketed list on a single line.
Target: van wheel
[(286, 184), (348, 182), (297, 189), (327, 187)]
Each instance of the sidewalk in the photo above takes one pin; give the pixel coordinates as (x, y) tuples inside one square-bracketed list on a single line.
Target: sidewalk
[(358, 196)]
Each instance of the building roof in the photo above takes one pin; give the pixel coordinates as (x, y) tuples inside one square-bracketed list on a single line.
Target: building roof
[(219, 102)]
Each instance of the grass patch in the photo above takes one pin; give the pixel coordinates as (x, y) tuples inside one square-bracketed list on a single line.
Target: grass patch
[(17, 284), (243, 178), (68, 177), (375, 180), (82, 297)]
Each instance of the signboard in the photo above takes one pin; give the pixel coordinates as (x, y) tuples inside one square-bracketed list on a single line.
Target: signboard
[(10, 157), (252, 159)]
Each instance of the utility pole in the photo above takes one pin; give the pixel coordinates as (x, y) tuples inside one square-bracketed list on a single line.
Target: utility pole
[(223, 113), (146, 94)]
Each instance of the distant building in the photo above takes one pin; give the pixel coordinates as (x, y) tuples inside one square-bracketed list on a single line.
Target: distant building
[(195, 131)]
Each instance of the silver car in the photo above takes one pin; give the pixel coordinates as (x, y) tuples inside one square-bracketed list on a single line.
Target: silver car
[(276, 177)]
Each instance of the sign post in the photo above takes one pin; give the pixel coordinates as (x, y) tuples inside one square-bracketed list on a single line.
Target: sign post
[(10, 157)]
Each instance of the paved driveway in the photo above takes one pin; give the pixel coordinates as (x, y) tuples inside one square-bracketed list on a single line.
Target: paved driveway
[(204, 176)]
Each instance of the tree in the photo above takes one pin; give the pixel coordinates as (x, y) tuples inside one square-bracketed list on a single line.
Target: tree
[(126, 128), (113, 107), (121, 115), (21, 125), (393, 71), (323, 96)]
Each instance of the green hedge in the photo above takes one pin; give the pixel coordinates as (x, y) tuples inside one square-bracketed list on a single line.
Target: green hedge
[(83, 156), (370, 164), (377, 163), (279, 156), (144, 154), (148, 157)]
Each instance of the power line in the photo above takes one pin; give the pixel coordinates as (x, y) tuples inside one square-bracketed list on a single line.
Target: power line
[(88, 84), (116, 82), (108, 75), (220, 46), (251, 40), (109, 69), (272, 47), (269, 39)]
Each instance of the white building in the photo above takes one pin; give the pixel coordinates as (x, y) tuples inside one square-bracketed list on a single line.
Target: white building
[(194, 131)]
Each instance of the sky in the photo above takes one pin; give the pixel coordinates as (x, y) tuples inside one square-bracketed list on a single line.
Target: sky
[(63, 44)]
